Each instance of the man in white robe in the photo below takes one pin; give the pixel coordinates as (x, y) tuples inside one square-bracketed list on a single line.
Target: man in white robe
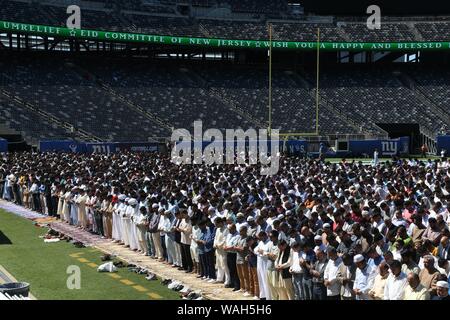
[(142, 228), (262, 260), (223, 274), (125, 223), (74, 207), (131, 214), (115, 219), (81, 202), (66, 206)]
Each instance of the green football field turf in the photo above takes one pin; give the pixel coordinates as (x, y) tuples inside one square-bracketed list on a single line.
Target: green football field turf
[(44, 266)]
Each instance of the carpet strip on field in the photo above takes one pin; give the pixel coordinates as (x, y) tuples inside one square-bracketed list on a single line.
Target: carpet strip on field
[(21, 211)]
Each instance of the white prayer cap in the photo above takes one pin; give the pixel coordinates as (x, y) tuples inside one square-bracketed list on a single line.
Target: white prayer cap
[(127, 199), (317, 237), (442, 284), (154, 206), (250, 219), (358, 258), (379, 251), (280, 217), (318, 249), (122, 197), (240, 214), (326, 225), (132, 202)]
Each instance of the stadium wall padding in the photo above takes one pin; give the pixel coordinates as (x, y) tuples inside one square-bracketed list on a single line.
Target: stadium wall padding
[(62, 146), (3, 145), (292, 147), (102, 147), (386, 148), (204, 144), (109, 147)]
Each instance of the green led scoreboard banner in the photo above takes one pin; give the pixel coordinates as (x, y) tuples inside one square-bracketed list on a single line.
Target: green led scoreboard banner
[(81, 34)]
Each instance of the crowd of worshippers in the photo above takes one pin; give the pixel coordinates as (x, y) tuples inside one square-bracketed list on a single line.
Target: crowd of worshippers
[(314, 231)]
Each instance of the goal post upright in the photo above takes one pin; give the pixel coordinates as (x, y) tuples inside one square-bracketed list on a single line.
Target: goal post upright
[(317, 97), (270, 78)]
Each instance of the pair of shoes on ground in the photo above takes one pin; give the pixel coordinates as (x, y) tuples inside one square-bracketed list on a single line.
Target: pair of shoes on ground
[(151, 276)]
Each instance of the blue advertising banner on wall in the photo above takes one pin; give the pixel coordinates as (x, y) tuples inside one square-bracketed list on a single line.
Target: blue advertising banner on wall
[(62, 146), (138, 146), (3, 145), (386, 148), (111, 147), (296, 147), (224, 144), (101, 147)]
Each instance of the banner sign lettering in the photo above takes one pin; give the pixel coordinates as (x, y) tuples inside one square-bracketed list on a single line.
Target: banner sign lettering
[(83, 34)]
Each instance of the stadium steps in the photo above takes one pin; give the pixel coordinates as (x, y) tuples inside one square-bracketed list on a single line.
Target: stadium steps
[(233, 106), (359, 127), (226, 101), (204, 31), (149, 115), (79, 133), (343, 34), (422, 96), (132, 105), (412, 27)]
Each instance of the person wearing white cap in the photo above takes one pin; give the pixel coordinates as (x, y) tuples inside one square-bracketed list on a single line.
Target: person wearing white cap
[(441, 291), (262, 259), (222, 274), (364, 278), (66, 206), (125, 223), (240, 221), (272, 253), (131, 211), (81, 203), (251, 227), (117, 219)]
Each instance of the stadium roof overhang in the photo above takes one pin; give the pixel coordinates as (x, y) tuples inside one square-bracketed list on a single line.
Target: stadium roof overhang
[(212, 43)]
